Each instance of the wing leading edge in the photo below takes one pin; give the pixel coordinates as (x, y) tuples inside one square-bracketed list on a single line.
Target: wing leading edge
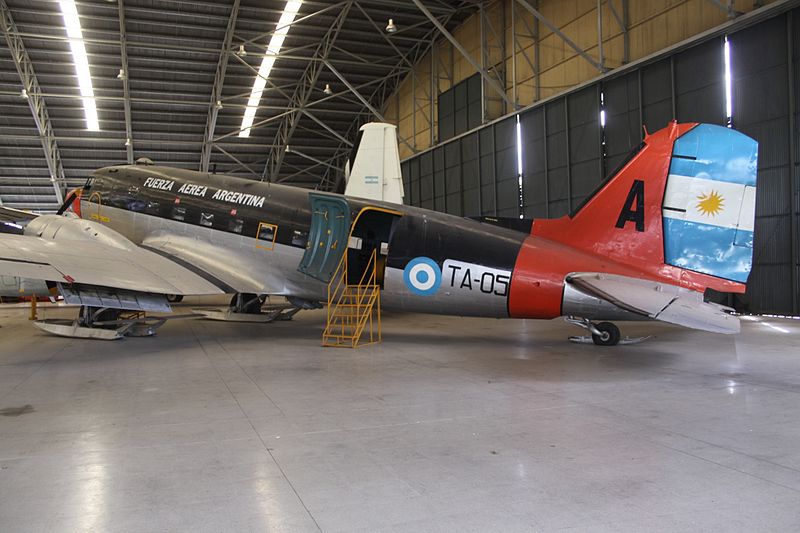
[(75, 251)]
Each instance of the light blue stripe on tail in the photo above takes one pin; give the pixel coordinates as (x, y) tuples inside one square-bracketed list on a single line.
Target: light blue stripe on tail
[(716, 153), (707, 249)]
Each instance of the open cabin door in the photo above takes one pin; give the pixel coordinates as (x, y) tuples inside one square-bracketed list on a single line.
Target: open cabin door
[(372, 230), (327, 237)]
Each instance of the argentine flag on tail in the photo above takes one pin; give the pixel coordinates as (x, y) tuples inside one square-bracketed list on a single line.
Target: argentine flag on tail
[(710, 201)]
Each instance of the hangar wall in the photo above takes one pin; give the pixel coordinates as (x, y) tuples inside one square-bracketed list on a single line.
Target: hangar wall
[(566, 152), (502, 38)]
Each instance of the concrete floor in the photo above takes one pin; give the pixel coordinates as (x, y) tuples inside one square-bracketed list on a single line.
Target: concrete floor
[(450, 425)]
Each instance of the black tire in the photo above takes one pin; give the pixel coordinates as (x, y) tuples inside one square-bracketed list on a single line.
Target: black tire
[(250, 303), (174, 298), (610, 334), (105, 315)]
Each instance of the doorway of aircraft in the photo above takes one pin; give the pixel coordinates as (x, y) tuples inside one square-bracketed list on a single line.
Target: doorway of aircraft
[(327, 236), (372, 230)]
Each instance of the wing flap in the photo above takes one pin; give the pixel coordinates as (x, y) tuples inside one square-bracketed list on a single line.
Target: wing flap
[(658, 301), (114, 298)]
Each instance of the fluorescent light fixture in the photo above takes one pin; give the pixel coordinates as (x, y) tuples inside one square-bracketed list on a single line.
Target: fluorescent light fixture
[(273, 49), (602, 109), (728, 82), (519, 167), (73, 25), (519, 147)]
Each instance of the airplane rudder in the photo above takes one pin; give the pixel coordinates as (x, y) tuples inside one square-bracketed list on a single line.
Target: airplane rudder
[(709, 203)]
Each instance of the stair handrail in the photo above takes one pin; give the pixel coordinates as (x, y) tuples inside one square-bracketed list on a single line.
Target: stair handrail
[(339, 275)]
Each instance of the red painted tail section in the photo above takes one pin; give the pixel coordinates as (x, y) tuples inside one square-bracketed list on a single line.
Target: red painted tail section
[(622, 222), (619, 230)]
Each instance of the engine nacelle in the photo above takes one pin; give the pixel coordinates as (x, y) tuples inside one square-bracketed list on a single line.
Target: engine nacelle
[(56, 227)]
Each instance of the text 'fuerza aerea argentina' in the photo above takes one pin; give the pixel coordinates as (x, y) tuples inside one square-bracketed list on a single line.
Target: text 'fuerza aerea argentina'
[(233, 197)]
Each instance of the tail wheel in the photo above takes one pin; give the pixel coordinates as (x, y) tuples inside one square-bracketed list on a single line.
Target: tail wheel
[(609, 334)]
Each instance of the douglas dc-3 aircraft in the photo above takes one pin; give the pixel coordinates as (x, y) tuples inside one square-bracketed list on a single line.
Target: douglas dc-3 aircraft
[(674, 220)]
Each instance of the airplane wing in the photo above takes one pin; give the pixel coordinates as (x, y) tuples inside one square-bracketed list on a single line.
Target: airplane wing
[(659, 301), (97, 261), (9, 214), (211, 261)]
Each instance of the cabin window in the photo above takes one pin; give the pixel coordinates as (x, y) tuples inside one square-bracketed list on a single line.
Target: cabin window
[(299, 238), (207, 219), (153, 208), (179, 213), (265, 238), (235, 225)]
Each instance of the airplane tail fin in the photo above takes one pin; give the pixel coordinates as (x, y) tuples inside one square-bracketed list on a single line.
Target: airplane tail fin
[(685, 200), (374, 168)]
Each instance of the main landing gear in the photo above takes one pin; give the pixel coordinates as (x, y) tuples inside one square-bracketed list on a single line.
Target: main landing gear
[(602, 333), (102, 323), (247, 307)]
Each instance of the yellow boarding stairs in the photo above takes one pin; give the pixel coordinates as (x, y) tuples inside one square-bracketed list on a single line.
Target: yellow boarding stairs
[(354, 311)]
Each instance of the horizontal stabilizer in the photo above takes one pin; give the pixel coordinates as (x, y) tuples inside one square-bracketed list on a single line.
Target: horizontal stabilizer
[(658, 301)]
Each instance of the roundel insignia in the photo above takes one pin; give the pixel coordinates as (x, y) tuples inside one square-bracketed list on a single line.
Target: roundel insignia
[(422, 276)]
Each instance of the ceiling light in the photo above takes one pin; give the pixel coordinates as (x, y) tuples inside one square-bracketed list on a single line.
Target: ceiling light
[(273, 49), (242, 52), (122, 75), (391, 28), (328, 90), (72, 24), (24, 93), (218, 105)]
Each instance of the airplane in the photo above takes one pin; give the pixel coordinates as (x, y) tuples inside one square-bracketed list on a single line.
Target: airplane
[(675, 220)]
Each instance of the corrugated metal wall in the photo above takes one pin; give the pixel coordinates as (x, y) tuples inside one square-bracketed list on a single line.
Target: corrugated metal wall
[(566, 153)]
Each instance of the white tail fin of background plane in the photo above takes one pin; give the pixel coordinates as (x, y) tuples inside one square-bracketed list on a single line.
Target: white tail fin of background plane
[(374, 170)]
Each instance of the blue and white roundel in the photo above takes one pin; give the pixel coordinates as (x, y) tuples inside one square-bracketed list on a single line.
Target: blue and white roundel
[(422, 276)]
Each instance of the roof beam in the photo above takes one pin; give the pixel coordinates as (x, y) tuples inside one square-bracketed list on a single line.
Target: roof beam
[(476, 65), (126, 93), (353, 90), (302, 95), (727, 8), (552, 27), (35, 100), (391, 81), (216, 91), (363, 100)]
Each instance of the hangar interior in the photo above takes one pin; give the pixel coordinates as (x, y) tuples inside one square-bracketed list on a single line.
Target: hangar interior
[(512, 109)]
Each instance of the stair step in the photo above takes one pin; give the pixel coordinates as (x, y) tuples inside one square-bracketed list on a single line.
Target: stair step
[(351, 309)]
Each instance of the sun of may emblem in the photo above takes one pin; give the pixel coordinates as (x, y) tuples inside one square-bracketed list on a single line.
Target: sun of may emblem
[(710, 204)]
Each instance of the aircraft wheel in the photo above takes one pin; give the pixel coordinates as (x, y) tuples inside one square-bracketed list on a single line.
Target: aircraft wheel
[(247, 303), (174, 298), (609, 334)]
